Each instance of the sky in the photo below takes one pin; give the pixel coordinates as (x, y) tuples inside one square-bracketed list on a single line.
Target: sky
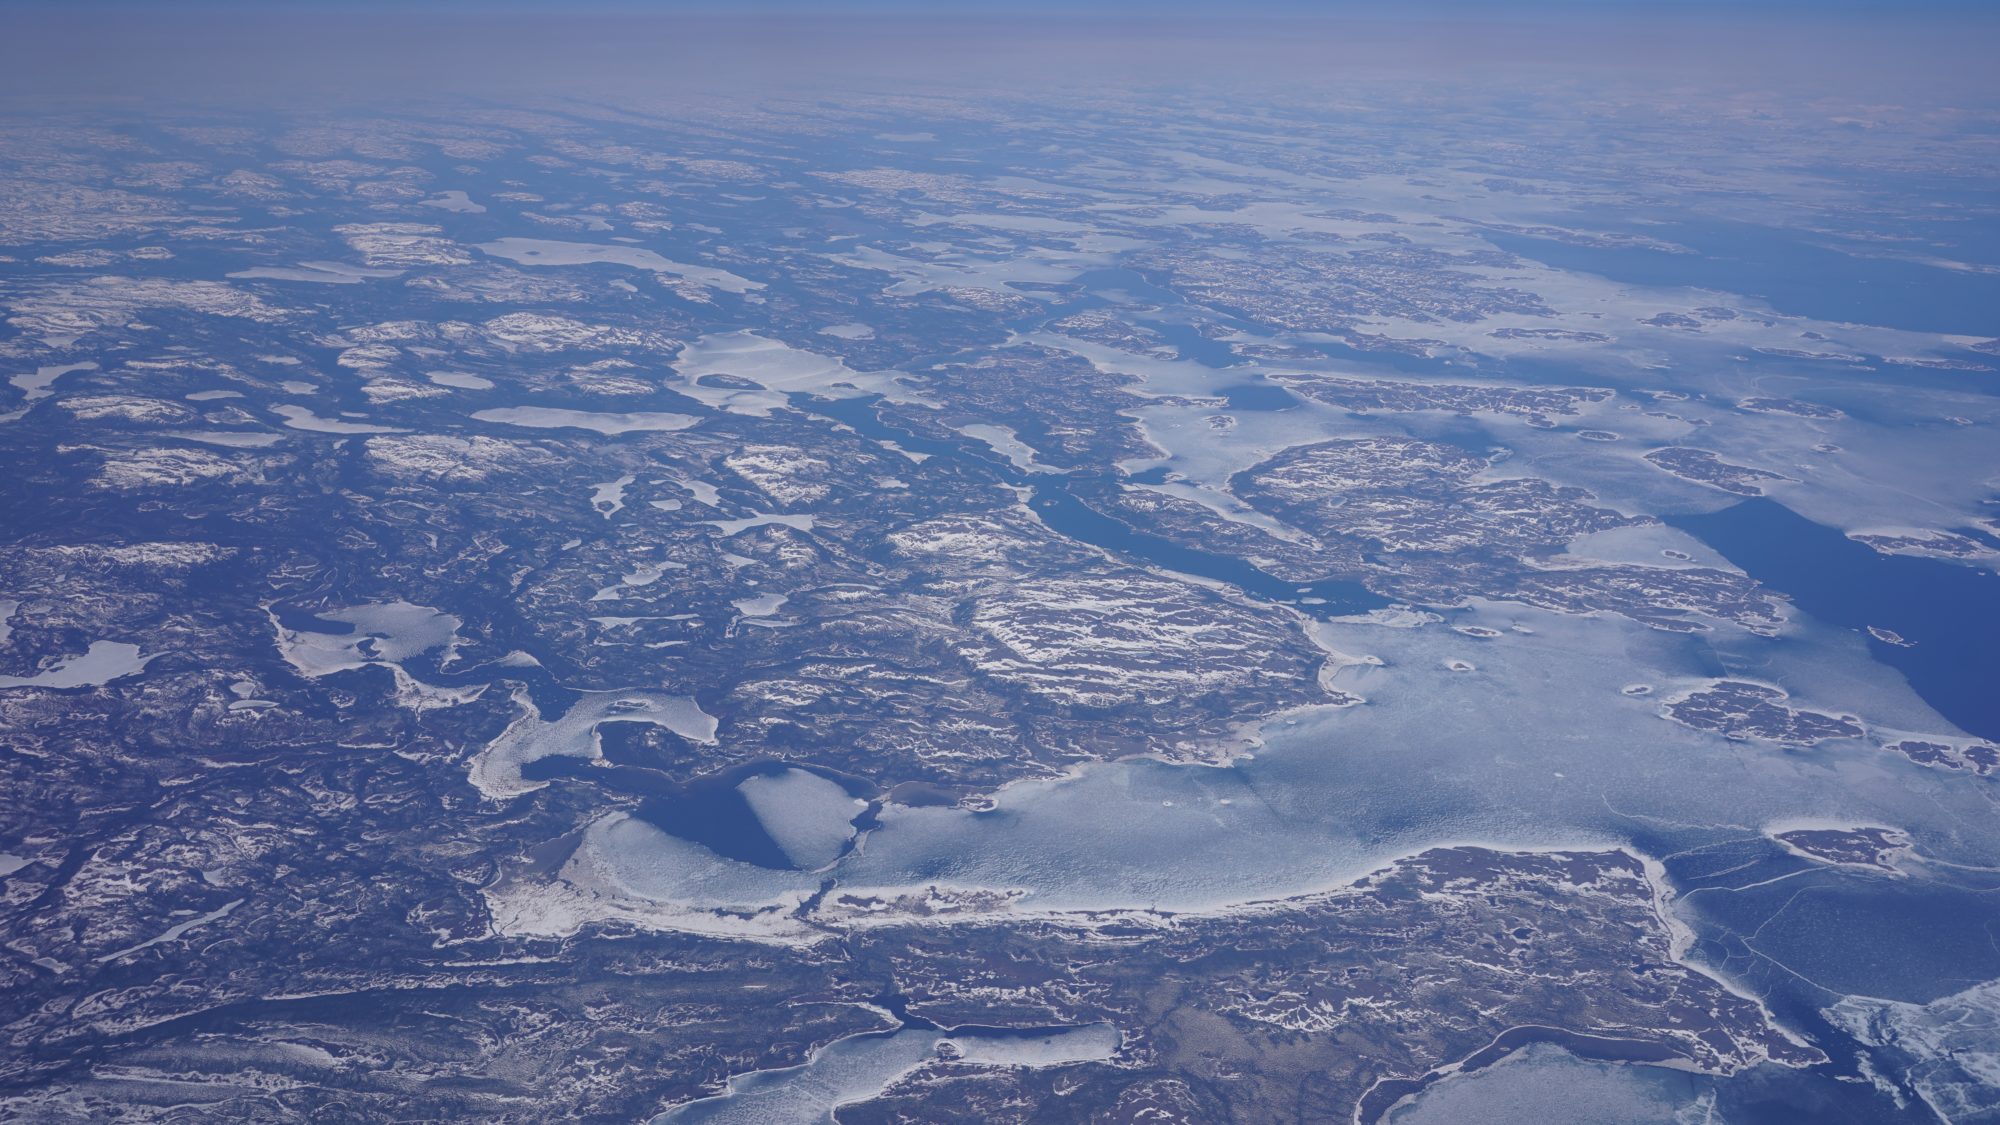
[(327, 51)]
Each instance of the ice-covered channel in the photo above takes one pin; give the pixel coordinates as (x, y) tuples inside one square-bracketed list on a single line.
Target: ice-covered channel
[(1538, 746)]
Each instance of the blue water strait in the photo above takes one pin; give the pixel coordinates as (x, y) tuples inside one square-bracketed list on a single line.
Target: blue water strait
[(1948, 613)]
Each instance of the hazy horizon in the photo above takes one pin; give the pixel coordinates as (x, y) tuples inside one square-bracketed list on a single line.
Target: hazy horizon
[(304, 54)]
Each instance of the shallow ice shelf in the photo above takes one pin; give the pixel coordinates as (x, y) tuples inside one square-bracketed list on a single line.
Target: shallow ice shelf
[(860, 1067), (1543, 1083), (777, 369), (809, 817), (323, 273), (553, 252), (383, 633), (102, 663), (496, 770), (36, 386), (604, 422), (300, 418)]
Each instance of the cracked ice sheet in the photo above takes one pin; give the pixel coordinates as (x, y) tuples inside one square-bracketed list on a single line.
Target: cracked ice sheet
[(1537, 748), (1954, 1043)]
